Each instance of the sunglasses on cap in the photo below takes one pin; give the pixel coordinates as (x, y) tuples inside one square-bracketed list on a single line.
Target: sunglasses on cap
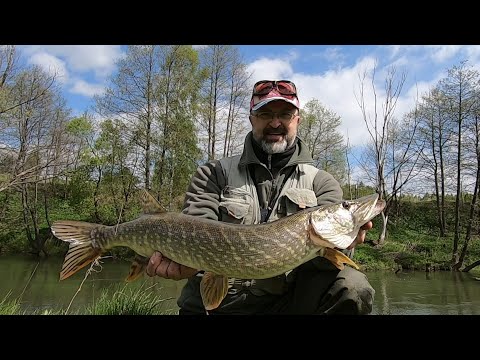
[(284, 87)]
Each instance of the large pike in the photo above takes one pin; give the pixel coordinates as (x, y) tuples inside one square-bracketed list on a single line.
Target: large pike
[(222, 249)]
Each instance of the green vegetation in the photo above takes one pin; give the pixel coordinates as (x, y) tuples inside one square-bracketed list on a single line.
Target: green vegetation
[(8, 306), (412, 233), (413, 242), (119, 300), (123, 301)]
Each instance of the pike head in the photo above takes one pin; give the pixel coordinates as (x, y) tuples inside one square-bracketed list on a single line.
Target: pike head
[(338, 225)]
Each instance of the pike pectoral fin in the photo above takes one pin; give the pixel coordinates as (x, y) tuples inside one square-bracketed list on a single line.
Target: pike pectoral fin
[(338, 258), (139, 264), (213, 289)]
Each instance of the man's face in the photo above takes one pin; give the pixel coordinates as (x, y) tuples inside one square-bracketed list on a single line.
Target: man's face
[(276, 134)]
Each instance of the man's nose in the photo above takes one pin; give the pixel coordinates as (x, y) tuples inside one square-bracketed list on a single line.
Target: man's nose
[(275, 122)]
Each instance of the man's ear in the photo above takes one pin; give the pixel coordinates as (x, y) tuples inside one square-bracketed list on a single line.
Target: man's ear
[(250, 118)]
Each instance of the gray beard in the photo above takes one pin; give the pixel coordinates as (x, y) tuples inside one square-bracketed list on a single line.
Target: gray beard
[(274, 147)]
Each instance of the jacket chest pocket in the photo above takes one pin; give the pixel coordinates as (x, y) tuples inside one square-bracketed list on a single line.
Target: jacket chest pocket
[(236, 206), (295, 200)]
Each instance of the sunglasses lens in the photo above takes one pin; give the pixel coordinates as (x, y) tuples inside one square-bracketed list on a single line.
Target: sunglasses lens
[(283, 87), (286, 88), (263, 88)]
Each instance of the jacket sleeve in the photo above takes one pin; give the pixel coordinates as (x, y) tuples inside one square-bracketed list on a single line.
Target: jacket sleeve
[(327, 188), (203, 194)]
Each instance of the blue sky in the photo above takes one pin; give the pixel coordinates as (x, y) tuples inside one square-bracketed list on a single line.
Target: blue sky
[(328, 73)]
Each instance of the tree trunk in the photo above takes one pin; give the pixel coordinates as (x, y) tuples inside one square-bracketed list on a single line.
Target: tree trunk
[(471, 266), (25, 216), (456, 236), (95, 195), (383, 233)]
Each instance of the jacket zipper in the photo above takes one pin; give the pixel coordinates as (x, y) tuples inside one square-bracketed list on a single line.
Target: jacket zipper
[(268, 210)]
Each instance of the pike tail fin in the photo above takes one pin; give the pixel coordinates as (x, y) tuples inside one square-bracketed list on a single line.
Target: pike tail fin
[(338, 258), (81, 251)]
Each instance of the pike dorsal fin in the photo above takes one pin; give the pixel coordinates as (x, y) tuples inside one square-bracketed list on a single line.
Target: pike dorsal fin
[(150, 205)]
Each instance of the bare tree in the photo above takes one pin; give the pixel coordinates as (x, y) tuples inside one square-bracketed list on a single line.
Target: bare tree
[(9, 69), (32, 132), (390, 155), (349, 169), (319, 129), (473, 203), (8, 61), (223, 96), (239, 96), (131, 96), (28, 89), (459, 89), (435, 133)]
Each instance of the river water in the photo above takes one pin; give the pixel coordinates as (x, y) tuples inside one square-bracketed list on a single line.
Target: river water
[(35, 283)]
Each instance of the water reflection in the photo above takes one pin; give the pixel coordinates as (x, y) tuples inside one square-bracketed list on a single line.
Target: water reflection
[(420, 293), (37, 285)]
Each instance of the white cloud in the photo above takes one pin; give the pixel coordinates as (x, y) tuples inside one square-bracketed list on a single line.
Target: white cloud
[(51, 65), (442, 53), (425, 55), (83, 88), (265, 68), (393, 50), (336, 90), (334, 54), (472, 52), (82, 58), (292, 55), (81, 69)]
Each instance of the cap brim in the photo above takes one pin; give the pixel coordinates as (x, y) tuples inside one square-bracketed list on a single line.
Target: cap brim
[(266, 101)]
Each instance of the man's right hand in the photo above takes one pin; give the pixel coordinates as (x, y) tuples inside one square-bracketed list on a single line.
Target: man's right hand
[(164, 267)]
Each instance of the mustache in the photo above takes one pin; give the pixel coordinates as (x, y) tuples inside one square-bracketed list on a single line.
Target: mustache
[(277, 131)]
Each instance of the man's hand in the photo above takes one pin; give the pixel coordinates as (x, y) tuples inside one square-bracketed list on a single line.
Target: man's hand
[(361, 235), (164, 267)]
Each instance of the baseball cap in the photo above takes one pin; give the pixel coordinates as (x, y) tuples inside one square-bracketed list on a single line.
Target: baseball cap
[(265, 91)]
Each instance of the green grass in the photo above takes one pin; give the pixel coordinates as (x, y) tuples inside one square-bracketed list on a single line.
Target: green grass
[(411, 248), (128, 301), (119, 300), (9, 307)]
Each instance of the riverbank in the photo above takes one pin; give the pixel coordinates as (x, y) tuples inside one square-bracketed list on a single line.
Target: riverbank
[(411, 249)]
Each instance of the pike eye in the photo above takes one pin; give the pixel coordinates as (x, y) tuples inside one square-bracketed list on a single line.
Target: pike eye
[(346, 205)]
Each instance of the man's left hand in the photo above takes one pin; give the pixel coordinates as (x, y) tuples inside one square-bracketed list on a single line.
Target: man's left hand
[(361, 235)]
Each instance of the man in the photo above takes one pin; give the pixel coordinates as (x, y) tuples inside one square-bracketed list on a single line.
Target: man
[(257, 187)]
